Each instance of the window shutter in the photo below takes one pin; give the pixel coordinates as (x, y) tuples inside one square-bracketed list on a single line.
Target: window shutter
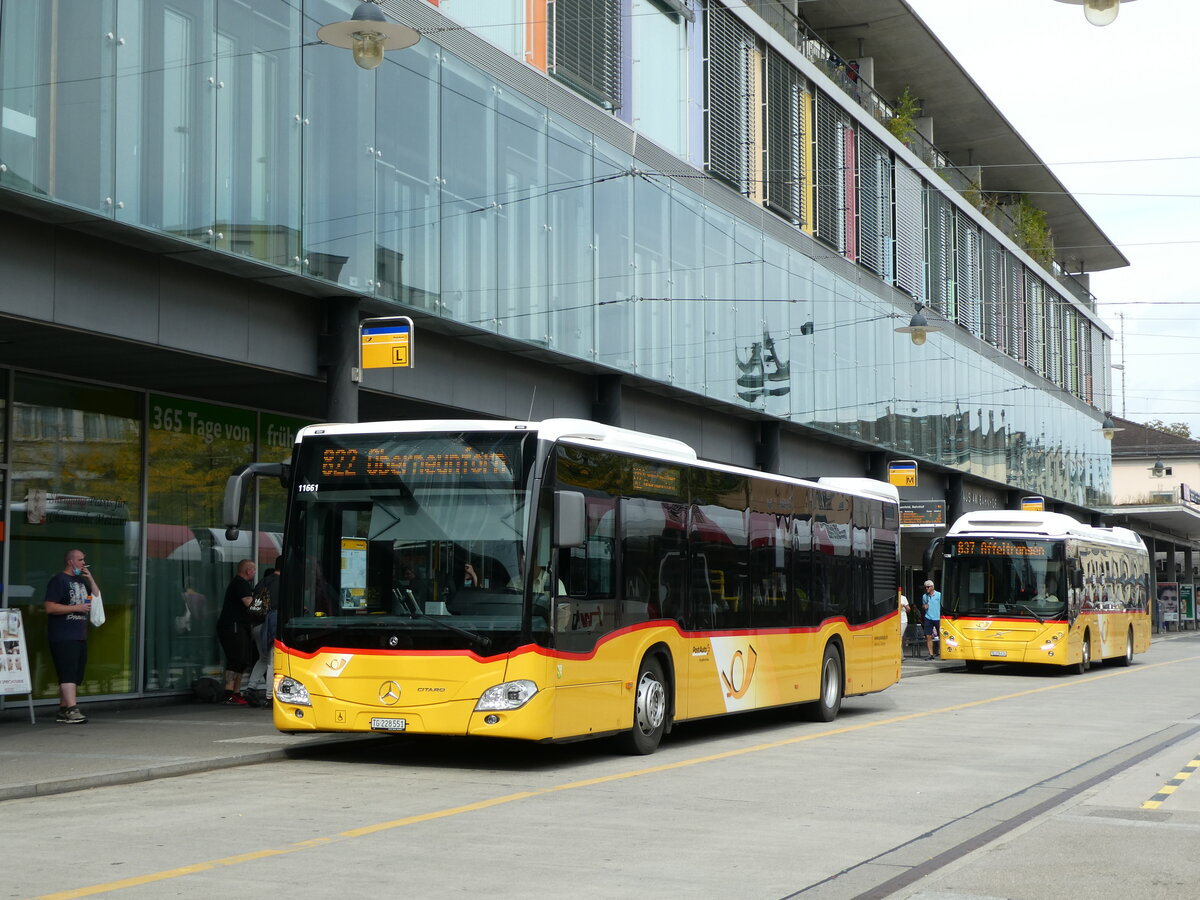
[(785, 132), (995, 322), (910, 246), (833, 169), (585, 47), (966, 272), (939, 251), (729, 96), (874, 206)]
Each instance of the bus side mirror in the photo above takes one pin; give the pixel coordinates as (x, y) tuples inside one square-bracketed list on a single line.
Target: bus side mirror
[(570, 519), (932, 551), (1077, 580), (237, 487)]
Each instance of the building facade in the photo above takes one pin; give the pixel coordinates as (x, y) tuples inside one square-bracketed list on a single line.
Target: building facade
[(700, 218)]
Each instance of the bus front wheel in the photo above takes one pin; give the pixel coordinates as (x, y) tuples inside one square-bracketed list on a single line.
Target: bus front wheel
[(649, 709), (826, 708), (1085, 654)]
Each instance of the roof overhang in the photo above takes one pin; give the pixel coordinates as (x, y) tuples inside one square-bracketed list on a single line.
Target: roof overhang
[(967, 126)]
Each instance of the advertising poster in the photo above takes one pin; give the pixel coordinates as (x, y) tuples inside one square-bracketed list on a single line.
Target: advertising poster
[(1187, 602), (1168, 601), (14, 660)]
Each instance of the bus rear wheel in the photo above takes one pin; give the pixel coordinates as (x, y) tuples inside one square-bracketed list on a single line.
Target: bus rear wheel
[(826, 708), (649, 710), (1085, 654)]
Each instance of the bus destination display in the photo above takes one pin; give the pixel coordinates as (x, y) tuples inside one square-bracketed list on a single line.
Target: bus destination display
[(994, 547), (428, 459)]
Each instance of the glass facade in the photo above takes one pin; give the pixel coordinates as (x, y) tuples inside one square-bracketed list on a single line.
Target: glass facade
[(430, 183), (82, 456)]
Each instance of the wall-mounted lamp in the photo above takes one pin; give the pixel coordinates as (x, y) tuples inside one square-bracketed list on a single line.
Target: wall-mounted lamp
[(918, 327), (1109, 428), (1099, 12), (1159, 469), (367, 34)]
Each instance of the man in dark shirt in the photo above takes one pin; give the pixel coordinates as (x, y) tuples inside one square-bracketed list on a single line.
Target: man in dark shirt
[(234, 631), (68, 604)]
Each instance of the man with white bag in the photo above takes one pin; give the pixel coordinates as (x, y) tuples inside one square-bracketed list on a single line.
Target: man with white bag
[(68, 605)]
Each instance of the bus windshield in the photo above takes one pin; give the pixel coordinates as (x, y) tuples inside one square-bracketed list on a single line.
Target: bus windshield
[(996, 576), (407, 541)]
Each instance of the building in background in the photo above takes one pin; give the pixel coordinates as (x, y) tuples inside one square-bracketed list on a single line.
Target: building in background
[(1156, 490), (700, 218)]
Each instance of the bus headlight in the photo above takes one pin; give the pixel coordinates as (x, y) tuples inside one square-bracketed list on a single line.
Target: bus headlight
[(289, 690), (510, 695)]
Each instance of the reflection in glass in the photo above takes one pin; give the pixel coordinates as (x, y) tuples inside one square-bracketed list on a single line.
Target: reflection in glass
[(192, 449), (76, 478)]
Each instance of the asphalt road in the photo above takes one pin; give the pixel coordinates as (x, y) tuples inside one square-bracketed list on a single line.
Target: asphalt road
[(1015, 784)]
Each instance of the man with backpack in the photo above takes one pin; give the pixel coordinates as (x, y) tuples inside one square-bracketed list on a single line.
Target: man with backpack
[(234, 630), (258, 689)]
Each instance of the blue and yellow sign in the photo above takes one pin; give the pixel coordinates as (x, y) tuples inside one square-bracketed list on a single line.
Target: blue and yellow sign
[(386, 343), (1033, 504), (902, 472)]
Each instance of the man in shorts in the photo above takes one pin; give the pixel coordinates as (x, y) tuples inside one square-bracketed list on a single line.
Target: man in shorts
[(931, 605), (68, 604)]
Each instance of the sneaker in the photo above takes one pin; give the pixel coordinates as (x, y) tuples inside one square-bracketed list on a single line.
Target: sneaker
[(70, 716), (236, 700)]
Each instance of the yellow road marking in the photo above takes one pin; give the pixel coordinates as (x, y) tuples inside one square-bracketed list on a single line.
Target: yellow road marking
[(140, 880), (1171, 786)]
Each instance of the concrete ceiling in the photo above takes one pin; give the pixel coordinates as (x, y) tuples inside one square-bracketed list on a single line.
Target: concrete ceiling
[(966, 126)]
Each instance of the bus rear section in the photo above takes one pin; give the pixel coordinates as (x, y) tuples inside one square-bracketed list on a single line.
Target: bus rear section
[(563, 580), (1034, 587)]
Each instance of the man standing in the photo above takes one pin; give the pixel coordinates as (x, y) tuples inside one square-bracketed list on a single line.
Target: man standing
[(234, 631), (931, 605), (68, 603)]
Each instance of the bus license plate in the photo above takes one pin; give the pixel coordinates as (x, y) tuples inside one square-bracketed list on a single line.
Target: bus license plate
[(999, 653), (388, 724)]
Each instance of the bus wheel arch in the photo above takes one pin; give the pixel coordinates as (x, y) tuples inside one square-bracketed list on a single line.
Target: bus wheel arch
[(1085, 653), (831, 684), (652, 704)]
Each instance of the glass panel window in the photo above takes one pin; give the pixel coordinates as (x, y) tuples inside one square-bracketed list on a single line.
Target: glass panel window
[(469, 195), (408, 223), (500, 22), (192, 449), (165, 125), (258, 130), (340, 159), (659, 75), (56, 100), (569, 215), (76, 477)]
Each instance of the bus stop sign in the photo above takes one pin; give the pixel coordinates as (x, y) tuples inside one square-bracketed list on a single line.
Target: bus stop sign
[(386, 343)]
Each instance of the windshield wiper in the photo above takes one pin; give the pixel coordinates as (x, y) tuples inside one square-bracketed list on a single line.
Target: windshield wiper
[(414, 610), (1022, 606)]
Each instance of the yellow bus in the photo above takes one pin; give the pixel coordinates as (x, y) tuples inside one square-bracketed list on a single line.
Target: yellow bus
[(559, 580), (1039, 587)]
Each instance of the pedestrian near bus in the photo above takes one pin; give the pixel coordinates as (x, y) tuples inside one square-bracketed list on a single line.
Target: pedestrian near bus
[(931, 611), (234, 631), (68, 604)]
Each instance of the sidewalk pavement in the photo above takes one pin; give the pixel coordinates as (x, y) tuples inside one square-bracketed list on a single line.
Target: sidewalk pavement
[(128, 741), (136, 740)]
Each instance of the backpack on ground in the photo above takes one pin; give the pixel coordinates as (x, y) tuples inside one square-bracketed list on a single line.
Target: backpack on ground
[(208, 689)]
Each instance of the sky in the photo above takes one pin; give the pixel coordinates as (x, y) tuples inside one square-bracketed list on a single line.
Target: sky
[(1113, 112)]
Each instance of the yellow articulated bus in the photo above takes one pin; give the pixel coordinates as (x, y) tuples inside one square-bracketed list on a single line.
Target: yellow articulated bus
[(559, 580), (1038, 587)]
